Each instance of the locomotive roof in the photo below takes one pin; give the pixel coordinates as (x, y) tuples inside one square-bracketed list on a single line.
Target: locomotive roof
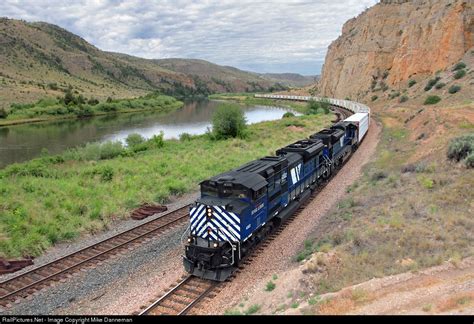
[(307, 148), (253, 174)]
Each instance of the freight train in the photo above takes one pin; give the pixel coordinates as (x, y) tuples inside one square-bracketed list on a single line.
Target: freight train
[(239, 208)]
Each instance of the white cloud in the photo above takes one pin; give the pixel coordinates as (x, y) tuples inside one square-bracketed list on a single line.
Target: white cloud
[(267, 36)]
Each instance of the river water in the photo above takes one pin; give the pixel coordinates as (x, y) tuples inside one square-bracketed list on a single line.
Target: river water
[(23, 142)]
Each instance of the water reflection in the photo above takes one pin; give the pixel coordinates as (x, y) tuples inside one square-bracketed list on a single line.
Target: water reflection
[(23, 142)]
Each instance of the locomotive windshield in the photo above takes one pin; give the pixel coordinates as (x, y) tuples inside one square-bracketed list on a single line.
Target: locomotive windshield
[(223, 191)]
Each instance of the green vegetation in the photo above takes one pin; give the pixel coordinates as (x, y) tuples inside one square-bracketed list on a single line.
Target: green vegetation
[(56, 198), (317, 107), (253, 309), (432, 83), (440, 85), (134, 140), (374, 97), (403, 99), (288, 114), (462, 148), (394, 95), (459, 66), (71, 106), (454, 89), (3, 113), (411, 83), (432, 100), (270, 286), (228, 121), (459, 74)]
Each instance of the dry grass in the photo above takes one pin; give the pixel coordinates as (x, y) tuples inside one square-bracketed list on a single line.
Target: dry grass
[(455, 302)]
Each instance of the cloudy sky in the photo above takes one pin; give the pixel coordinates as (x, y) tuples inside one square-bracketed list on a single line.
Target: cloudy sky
[(261, 36)]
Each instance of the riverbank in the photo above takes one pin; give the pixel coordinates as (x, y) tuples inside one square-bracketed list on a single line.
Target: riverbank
[(249, 99), (50, 109), (56, 198)]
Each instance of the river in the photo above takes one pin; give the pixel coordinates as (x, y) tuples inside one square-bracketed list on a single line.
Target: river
[(23, 142)]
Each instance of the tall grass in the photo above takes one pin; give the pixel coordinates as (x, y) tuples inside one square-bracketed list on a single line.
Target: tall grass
[(56, 198)]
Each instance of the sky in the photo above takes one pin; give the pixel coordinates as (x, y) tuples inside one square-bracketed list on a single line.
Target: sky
[(261, 36)]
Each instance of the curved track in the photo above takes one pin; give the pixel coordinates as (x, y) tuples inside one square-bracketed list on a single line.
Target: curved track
[(35, 279), (188, 293)]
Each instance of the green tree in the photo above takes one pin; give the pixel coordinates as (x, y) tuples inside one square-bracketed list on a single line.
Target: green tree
[(228, 121)]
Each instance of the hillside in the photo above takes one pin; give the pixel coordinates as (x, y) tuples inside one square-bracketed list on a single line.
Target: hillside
[(291, 79), (395, 41), (39, 59)]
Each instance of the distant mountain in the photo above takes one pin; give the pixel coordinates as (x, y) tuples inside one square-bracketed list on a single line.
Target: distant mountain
[(291, 79), (39, 59)]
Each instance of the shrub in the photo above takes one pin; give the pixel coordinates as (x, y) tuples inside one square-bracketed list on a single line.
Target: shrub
[(432, 100), (459, 74), (157, 140), (394, 95), (315, 107), (461, 147), (253, 309), (470, 160), (459, 66), (374, 98), (228, 121), (134, 140), (106, 174), (440, 85), (288, 115), (454, 88), (411, 83), (185, 137), (3, 113), (270, 286), (403, 98), (432, 83)]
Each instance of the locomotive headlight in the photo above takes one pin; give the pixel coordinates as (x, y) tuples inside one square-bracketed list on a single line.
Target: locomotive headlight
[(215, 245), (190, 239)]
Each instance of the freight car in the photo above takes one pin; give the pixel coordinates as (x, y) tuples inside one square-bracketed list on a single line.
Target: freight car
[(239, 208)]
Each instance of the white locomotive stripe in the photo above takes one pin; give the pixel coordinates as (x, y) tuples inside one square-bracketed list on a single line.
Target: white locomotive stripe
[(198, 220), (222, 210), (196, 211), (201, 225), (215, 233), (199, 216), (229, 232), (227, 225), (228, 217)]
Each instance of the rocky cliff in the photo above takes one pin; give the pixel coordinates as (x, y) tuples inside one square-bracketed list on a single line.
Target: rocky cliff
[(394, 41)]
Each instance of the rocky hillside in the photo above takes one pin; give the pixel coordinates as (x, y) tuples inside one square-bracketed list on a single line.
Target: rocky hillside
[(291, 79), (394, 41), (39, 59)]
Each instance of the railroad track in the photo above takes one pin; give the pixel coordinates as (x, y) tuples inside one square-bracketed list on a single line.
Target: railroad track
[(36, 279), (182, 298), (188, 293)]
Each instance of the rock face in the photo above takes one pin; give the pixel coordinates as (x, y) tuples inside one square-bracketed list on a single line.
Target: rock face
[(396, 40)]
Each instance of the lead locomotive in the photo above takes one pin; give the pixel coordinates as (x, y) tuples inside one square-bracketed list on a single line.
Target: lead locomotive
[(239, 208)]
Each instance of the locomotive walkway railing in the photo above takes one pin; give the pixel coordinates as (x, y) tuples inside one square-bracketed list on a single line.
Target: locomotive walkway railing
[(353, 106)]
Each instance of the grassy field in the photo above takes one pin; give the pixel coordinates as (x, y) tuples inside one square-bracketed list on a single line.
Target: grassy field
[(412, 208), (56, 198), (249, 99), (78, 107)]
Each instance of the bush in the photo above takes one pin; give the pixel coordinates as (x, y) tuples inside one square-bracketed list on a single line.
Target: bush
[(440, 85), (411, 83), (454, 88), (403, 98), (374, 98), (228, 121), (459, 66), (185, 137), (157, 140), (459, 74), (288, 115), (470, 160), (3, 113), (432, 100), (106, 174), (270, 286), (432, 83), (315, 107), (134, 140), (461, 147)]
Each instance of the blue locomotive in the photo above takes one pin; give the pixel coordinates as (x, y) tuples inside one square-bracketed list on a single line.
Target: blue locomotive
[(239, 208)]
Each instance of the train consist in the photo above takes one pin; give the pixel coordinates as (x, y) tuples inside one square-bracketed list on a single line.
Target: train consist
[(239, 208)]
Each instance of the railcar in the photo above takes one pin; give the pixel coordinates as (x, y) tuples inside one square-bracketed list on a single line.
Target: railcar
[(239, 208)]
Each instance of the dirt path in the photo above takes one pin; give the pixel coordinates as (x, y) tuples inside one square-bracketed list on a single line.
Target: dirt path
[(281, 252)]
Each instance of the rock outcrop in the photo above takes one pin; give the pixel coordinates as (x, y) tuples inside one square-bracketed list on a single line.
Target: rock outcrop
[(394, 41)]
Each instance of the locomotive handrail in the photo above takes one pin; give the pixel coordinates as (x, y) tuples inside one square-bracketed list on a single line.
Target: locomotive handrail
[(355, 107)]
